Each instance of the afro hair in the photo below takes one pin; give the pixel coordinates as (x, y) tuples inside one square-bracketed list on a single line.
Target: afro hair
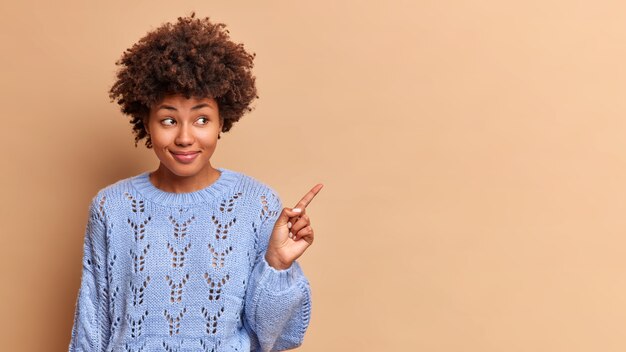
[(192, 57)]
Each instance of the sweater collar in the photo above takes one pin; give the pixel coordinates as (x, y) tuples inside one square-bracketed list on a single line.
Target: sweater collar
[(143, 185)]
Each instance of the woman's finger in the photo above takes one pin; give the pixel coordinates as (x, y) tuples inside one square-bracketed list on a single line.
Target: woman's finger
[(305, 231), (302, 222), (305, 234), (285, 216), (302, 204)]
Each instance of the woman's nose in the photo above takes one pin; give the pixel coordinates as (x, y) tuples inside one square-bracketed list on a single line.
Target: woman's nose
[(184, 136)]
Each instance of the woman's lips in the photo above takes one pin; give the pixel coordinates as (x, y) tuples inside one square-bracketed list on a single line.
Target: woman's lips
[(186, 158)]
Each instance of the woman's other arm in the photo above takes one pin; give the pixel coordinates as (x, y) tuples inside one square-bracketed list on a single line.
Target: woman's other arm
[(90, 331)]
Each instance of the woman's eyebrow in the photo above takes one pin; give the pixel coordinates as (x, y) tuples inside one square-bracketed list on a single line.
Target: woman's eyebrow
[(169, 107)]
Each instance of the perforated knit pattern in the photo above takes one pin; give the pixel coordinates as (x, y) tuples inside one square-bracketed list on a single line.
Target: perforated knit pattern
[(186, 271)]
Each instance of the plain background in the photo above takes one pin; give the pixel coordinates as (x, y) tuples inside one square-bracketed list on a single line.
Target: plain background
[(472, 152)]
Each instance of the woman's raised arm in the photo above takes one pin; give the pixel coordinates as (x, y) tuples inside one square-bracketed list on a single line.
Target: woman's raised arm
[(278, 301)]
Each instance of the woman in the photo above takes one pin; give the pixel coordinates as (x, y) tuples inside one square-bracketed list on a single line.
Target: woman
[(190, 257)]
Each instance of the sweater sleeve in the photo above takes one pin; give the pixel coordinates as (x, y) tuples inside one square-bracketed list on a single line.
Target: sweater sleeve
[(90, 331), (278, 302)]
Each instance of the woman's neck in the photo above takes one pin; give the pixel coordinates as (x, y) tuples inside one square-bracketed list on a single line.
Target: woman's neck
[(165, 180)]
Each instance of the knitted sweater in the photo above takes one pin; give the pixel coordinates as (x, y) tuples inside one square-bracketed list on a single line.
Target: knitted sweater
[(181, 272)]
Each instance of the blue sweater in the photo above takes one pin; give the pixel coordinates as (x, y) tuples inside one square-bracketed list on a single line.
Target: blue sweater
[(181, 272)]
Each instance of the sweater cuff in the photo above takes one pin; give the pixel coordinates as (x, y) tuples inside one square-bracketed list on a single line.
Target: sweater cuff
[(279, 280)]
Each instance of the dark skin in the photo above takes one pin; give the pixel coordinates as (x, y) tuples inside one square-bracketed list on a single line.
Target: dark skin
[(292, 233), (179, 124)]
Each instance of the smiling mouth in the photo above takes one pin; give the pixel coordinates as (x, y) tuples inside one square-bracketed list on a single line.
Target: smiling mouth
[(186, 157), (183, 153)]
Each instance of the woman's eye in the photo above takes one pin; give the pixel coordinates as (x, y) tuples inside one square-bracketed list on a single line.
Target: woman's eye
[(203, 120), (168, 121)]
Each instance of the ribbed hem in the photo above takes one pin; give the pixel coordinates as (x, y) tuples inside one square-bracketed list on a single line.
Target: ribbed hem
[(279, 280), (142, 184)]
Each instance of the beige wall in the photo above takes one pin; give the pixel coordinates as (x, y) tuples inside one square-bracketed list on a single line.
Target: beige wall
[(472, 152)]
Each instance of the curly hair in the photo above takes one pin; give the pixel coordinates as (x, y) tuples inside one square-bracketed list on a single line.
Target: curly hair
[(192, 57)]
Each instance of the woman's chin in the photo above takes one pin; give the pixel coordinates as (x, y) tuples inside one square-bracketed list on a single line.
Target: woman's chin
[(187, 170)]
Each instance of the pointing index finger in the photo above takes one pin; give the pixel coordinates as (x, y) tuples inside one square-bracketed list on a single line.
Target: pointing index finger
[(302, 204)]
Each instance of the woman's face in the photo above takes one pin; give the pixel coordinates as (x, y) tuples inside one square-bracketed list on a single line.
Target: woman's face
[(184, 134)]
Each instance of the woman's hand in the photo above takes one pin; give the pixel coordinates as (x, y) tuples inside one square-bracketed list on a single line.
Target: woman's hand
[(292, 233)]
